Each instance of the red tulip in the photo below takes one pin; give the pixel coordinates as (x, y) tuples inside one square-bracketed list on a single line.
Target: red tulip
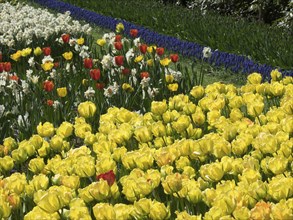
[(50, 102), (15, 78), (48, 86), (125, 71), (143, 48), (144, 75), (88, 63), (7, 66), (108, 176), (174, 58), (65, 38), (46, 51), (56, 64), (95, 74), (133, 33), (100, 86), (160, 51), (119, 60), (118, 45), (118, 38)]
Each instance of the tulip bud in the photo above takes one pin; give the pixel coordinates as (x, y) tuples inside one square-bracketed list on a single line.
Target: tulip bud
[(254, 78), (159, 211), (104, 211), (197, 92), (10, 143), (6, 163), (50, 202), (142, 207), (38, 51), (36, 141), (87, 109), (46, 129), (276, 75), (56, 143), (181, 124), (143, 134), (172, 183), (101, 42), (62, 92), (119, 28), (36, 165), (261, 211), (65, 129)]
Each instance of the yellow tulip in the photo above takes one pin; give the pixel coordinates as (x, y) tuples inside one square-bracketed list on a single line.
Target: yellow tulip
[(87, 109), (62, 92), (80, 41), (25, 52), (16, 56), (36, 165), (173, 87), (119, 28), (47, 66), (165, 62), (67, 55), (138, 58), (65, 129), (46, 129), (104, 211), (38, 51), (159, 211), (101, 42), (254, 78)]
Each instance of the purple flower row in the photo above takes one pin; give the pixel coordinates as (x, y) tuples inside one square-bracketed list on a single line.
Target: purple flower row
[(236, 63)]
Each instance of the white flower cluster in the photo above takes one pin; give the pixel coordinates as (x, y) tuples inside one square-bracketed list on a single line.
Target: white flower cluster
[(28, 22)]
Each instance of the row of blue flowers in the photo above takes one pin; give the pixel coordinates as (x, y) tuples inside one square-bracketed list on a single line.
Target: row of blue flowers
[(236, 63)]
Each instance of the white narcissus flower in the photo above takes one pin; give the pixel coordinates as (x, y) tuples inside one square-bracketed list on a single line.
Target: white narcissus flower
[(207, 52), (107, 61), (90, 92), (22, 120), (2, 109), (136, 41), (145, 82), (31, 61), (28, 21), (35, 79), (111, 90), (129, 54), (56, 104), (47, 59)]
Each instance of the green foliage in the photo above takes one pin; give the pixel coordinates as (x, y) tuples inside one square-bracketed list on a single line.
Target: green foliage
[(263, 43)]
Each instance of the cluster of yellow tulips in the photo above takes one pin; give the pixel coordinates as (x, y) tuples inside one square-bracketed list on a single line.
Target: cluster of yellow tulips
[(219, 152)]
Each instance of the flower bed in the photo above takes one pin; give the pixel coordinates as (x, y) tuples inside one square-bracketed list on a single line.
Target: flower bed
[(47, 82), (199, 155), (30, 26), (119, 132), (236, 63)]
